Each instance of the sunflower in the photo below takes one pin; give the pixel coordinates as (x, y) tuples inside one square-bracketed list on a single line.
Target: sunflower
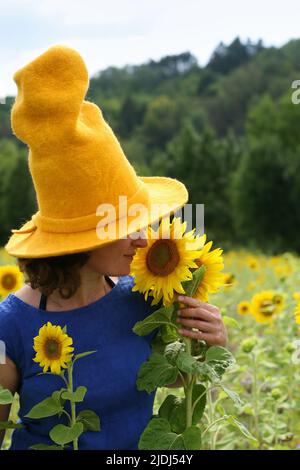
[(167, 260), (251, 285), (278, 300), (253, 263), (213, 277), (296, 296), (297, 313), (243, 307), (264, 306), (11, 279), (53, 348), (229, 279)]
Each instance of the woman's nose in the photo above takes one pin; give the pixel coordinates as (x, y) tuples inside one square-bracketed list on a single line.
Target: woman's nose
[(140, 241)]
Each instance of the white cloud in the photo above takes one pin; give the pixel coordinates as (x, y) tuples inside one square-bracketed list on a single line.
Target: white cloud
[(119, 32)]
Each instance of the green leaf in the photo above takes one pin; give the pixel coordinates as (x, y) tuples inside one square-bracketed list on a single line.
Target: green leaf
[(80, 355), (232, 395), (90, 420), (167, 406), (160, 317), (217, 360), (6, 397), (218, 353), (158, 436), (173, 409), (241, 427), (62, 434), (192, 438), (10, 425), (177, 418), (178, 443), (190, 287), (48, 407), (172, 350), (169, 333), (198, 391), (76, 396), (45, 447), (187, 363), (57, 395), (156, 372), (232, 322), (157, 344)]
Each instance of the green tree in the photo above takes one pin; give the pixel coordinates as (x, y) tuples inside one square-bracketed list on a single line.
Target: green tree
[(205, 165), (265, 196), (17, 199)]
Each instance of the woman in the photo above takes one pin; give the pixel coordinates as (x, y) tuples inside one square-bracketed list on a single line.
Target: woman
[(68, 256)]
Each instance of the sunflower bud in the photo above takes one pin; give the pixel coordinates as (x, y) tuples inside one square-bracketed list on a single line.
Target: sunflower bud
[(248, 344), (276, 393)]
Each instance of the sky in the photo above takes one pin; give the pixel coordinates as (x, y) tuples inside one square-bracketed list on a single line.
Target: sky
[(120, 32)]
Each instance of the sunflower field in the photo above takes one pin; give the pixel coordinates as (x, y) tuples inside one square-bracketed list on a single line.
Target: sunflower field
[(261, 304)]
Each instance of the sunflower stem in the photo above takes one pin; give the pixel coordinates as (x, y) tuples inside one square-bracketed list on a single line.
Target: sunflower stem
[(73, 406), (255, 399), (188, 390)]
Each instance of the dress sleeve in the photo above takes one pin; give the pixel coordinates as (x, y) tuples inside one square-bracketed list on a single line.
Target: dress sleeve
[(9, 338)]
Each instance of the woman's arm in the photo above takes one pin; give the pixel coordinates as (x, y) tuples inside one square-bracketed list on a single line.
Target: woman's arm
[(9, 378)]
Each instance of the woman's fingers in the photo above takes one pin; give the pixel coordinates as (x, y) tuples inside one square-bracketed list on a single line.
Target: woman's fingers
[(203, 326), (201, 313)]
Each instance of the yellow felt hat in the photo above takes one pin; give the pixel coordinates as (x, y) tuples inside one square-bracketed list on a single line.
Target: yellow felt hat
[(77, 165)]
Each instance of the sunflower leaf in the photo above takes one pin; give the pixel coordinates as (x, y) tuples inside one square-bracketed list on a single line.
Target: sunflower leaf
[(158, 436), (76, 396), (48, 407), (45, 447), (172, 350), (156, 372), (192, 438), (89, 419), (190, 287), (80, 355), (217, 360), (6, 396), (232, 395), (229, 321), (241, 427), (169, 333), (156, 319), (62, 434)]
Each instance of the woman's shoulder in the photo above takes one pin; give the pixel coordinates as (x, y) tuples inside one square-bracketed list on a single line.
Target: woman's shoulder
[(28, 295)]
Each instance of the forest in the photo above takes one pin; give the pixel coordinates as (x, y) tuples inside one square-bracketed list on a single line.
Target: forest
[(228, 130)]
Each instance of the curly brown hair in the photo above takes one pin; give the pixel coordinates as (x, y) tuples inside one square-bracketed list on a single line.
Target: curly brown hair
[(56, 272)]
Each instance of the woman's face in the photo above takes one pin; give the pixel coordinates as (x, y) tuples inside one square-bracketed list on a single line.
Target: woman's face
[(115, 258)]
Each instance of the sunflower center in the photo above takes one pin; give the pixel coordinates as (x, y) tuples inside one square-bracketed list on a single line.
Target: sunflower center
[(277, 299), (267, 308), (52, 349), (163, 257), (8, 281)]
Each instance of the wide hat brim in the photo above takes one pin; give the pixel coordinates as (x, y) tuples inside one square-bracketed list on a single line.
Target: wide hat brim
[(31, 242)]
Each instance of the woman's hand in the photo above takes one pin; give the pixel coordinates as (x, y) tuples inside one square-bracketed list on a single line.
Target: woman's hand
[(203, 316)]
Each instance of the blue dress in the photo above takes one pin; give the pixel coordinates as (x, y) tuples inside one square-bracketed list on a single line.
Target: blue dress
[(109, 374)]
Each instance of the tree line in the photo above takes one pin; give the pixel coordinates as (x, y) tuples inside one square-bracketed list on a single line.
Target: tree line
[(228, 130)]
